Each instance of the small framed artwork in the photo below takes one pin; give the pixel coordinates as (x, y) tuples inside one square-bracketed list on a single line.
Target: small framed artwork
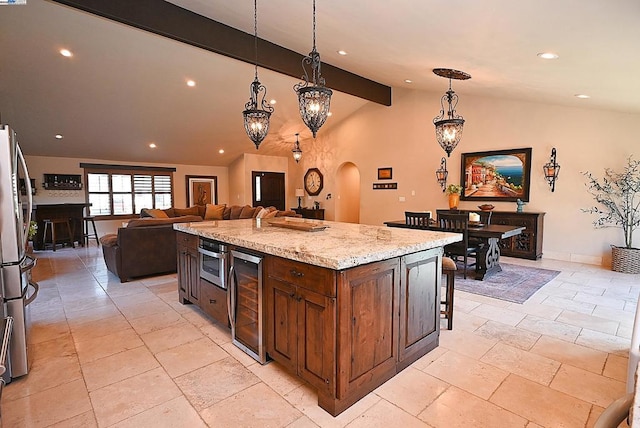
[(201, 190), (385, 173), (385, 186), (500, 175)]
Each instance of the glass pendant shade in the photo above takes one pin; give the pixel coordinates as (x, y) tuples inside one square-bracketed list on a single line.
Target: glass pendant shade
[(448, 124), (257, 111), (297, 152), (314, 98)]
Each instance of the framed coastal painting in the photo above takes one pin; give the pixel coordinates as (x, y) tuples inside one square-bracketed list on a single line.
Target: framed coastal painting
[(499, 175), (201, 190)]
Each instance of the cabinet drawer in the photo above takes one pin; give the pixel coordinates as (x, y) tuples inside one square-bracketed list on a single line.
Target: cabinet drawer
[(186, 240), (314, 278), (213, 301)]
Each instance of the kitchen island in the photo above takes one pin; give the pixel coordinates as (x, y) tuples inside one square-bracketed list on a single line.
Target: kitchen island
[(347, 307)]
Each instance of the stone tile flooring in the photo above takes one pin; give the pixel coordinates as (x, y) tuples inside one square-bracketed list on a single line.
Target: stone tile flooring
[(129, 355)]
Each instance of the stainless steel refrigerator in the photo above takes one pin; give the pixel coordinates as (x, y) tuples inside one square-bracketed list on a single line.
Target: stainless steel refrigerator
[(16, 288)]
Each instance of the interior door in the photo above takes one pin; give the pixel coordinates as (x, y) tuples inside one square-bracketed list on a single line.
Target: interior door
[(268, 189)]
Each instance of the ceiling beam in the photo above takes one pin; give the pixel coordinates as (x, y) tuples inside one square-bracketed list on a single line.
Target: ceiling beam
[(168, 20)]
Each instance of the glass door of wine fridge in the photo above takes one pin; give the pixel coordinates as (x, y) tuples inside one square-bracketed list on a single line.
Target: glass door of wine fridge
[(245, 304)]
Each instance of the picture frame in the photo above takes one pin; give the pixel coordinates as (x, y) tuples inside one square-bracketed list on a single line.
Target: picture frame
[(498, 175), (385, 173), (201, 189)]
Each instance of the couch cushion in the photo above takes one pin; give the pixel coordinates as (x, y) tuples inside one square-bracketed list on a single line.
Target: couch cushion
[(109, 240), (235, 212), (247, 212), (214, 212), (147, 221), (186, 211), (153, 213), (169, 212), (287, 213)]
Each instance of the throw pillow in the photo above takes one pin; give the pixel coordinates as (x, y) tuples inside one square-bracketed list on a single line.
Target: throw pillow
[(235, 212), (270, 214), (153, 213), (262, 213), (247, 212), (214, 212), (185, 211)]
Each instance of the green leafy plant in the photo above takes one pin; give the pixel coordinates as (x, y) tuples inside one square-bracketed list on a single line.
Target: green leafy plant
[(33, 229), (454, 189), (618, 198)]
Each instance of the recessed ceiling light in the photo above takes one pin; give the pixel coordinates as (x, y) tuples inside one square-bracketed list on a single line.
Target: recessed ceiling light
[(583, 96), (548, 55), (191, 83), (272, 102), (341, 52), (408, 81), (59, 137), (221, 151), (66, 52), (152, 145)]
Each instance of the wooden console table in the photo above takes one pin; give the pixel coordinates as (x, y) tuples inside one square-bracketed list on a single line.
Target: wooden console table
[(310, 213), (73, 212)]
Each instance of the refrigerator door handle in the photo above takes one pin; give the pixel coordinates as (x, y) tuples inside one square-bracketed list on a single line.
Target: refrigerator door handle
[(231, 298), (27, 183), (36, 289)]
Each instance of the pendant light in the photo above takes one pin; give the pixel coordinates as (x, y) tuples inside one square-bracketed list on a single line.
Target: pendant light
[(449, 126), (257, 114), (314, 98), (297, 152)]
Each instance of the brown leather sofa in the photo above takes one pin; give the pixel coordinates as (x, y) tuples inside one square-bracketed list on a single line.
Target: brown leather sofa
[(147, 246)]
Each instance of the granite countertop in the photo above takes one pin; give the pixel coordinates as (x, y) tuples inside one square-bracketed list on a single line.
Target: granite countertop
[(339, 246)]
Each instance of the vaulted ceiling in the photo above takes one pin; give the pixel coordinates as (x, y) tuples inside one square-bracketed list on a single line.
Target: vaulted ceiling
[(124, 87)]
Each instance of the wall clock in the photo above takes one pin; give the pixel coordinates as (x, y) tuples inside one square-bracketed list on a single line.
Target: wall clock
[(313, 181)]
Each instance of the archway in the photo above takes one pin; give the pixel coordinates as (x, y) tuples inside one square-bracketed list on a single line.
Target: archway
[(347, 198)]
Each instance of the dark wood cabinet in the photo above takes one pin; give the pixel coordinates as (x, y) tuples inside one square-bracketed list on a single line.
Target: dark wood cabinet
[(310, 213), (188, 268), (527, 245), (301, 320)]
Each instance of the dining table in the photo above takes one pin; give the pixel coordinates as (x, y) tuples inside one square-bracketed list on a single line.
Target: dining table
[(488, 257)]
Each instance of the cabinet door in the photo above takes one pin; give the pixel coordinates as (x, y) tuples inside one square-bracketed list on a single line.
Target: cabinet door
[(316, 339), (368, 320), (282, 323), (194, 276), (419, 304)]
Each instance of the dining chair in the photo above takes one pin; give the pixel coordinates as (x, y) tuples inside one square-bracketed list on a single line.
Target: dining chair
[(418, 220), (459, 223)]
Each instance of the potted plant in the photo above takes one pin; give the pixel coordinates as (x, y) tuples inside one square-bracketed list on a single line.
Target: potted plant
[(33, 229), (618, 198), (454, 191)]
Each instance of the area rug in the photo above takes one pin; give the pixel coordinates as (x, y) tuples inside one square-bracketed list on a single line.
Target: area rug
[(514, 284)]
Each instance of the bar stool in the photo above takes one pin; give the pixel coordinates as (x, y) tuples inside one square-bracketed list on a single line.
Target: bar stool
[(449, 270), (51, 224), (86, 222)]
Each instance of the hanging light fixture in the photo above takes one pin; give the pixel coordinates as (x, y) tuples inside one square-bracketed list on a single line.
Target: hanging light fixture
[(449, 125), (442, 173), (297, 152), (314, 98), (551, 170), (257, 114)]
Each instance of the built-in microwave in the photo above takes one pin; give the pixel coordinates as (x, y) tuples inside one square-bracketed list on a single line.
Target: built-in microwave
[(213, 262)]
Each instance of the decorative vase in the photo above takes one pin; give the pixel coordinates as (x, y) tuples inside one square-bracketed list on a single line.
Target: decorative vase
[(454, 200), (625, 260)]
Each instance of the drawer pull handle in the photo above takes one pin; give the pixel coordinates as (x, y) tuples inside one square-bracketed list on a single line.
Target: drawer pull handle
[(296, 273), (292, 295), (212, 301)]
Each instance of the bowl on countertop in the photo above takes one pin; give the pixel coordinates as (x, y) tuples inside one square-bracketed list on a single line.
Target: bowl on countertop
[(486, 207)]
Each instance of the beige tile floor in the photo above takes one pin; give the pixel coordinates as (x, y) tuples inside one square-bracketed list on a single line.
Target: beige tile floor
[(129, 355)]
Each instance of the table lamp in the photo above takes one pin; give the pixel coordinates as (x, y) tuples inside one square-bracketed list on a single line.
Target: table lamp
[(299, 194)]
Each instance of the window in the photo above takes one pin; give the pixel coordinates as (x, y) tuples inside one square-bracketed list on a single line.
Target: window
[(118, 191)]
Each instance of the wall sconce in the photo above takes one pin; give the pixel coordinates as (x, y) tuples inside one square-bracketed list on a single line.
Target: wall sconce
[(551, 170), (442, 173), (299, 194)]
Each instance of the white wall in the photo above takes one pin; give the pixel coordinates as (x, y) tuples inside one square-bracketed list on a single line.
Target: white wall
[(402, 136), (40, 165)]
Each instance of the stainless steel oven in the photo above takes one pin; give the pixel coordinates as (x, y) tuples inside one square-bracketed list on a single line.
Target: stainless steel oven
[(213, 262)]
